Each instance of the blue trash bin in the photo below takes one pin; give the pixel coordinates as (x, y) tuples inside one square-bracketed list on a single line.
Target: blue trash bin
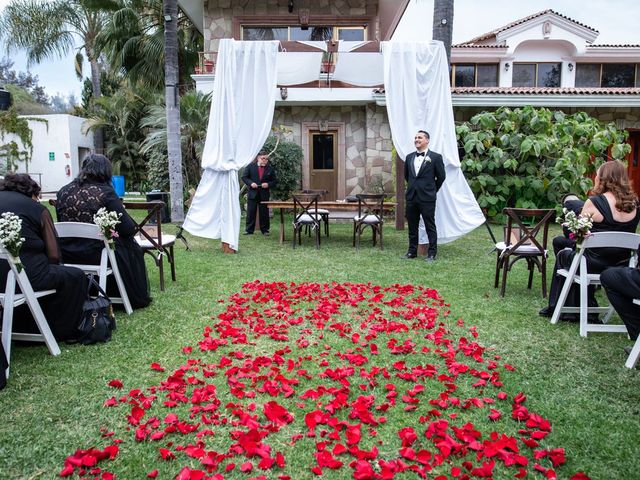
[(118, 184)]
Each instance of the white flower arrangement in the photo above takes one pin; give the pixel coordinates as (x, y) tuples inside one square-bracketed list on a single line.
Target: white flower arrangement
[(427, 159), (10, 239), (107, 222), (578, 225)]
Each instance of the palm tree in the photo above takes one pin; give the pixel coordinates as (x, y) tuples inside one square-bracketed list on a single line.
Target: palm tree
[(443, 24), (48, 29), (133, 42), (172, 103)]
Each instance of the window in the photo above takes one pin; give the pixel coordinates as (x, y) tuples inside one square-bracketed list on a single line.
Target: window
[(536, 75), (314, 32), (607, 75), (588, 75), (476, 75), (618, 75), (322, 150)]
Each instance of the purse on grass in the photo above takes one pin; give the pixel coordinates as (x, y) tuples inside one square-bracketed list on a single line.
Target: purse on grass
[(98, 320)]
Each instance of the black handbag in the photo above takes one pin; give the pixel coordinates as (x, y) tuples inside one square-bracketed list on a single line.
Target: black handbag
[(98, 320)]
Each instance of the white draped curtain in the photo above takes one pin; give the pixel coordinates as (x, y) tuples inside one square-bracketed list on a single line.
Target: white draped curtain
[(242, 105), (418, 96)]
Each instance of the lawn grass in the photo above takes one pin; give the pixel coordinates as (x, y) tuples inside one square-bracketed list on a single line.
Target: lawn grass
[(53, 405)]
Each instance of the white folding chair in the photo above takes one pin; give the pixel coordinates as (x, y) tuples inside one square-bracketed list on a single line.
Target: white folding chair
[(108, 265), (622, 240), (634, 356), (10, 300)]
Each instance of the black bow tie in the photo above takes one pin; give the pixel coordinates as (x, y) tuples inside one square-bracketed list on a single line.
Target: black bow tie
[(419, 154)]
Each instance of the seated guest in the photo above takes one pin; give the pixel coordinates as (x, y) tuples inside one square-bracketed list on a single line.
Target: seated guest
[(622, 285), (40, 256), (79, 201), (613, 208)]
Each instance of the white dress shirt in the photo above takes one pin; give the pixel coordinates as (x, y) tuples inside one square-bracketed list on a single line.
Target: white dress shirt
[(417, 161)]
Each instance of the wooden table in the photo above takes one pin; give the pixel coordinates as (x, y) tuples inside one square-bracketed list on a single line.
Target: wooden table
[(335, 206)]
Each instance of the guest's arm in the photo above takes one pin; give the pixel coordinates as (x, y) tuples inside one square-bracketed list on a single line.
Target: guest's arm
[(127, 226), (589, 209)]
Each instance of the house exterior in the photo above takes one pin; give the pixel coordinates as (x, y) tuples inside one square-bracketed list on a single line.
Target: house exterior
[(343, 129), (59, 145), (545, 59), (550, 60)]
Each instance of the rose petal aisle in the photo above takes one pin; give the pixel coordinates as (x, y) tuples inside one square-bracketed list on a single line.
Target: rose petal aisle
[(298, 381)]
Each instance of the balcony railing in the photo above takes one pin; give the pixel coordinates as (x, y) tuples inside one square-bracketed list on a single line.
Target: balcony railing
[(206, 62)]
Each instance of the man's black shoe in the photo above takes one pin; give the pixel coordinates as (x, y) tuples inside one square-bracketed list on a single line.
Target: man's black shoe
[(266, 234), (430, 259), (408, 255), (628, 349), (546, 312), (248, 233)]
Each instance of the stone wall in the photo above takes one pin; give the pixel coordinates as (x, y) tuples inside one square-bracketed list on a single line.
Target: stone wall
[(624, 117), (218, 14), (366, 153)]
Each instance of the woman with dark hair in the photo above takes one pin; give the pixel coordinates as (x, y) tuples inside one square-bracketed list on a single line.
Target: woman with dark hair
[(40, 256), (79, 201), (612, 208)]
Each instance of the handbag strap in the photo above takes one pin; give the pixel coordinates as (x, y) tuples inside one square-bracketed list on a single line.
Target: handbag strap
[(92, 282)]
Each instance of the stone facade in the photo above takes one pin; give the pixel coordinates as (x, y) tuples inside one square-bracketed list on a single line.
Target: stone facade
[(623, 117), (365, 155)]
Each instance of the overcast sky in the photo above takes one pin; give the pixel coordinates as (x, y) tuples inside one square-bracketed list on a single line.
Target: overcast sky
[(616, 20)]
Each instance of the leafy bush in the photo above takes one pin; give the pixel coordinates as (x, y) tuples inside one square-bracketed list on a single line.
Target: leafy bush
[(287, 162), (529, 158), (158, 172)]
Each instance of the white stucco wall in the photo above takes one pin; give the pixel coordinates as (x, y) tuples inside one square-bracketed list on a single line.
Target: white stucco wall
[(62, 135)]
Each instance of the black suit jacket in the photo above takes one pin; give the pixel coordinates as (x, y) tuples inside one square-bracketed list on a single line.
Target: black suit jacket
[(251, 175), (423, 185)]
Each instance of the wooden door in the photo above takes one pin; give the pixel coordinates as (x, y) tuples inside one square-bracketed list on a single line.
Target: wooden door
[(323, 162), (633, 159)]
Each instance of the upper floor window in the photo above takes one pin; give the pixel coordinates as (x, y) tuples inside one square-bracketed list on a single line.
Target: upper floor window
[(316, 32), (607, 75), (475, 75), (536, 75)]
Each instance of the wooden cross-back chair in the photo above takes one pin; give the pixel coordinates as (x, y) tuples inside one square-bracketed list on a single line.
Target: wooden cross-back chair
[(323, 212), (370, 214), (11, 299), (305, 206), (522, 241), (150, 237)]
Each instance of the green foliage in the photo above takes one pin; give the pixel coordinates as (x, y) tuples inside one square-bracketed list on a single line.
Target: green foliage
[(11, 152), (158, 172), (529, 158), (194, 119), (24, 102), (287, 162)]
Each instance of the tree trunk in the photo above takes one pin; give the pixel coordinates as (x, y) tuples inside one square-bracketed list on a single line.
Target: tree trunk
[(98, 133), (443, 24), (172, 101)]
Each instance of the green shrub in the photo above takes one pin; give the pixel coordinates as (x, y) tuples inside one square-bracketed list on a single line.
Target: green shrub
[(529, 158), (287, 162), (158, 172)]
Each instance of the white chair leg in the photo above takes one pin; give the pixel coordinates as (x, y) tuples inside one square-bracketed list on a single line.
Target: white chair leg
[(584, 307), (7, 319), (634, 356), (121, 288), (568, 281)]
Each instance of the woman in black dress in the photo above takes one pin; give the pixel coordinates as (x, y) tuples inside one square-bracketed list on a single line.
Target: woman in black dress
[(613, 208), (40, 256), (79, 201)]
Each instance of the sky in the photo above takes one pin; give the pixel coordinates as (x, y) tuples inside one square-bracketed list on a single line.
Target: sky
[(617, 24)]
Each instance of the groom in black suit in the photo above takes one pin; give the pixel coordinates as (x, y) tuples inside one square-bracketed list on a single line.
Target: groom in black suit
[(424, 174), (260, 177)]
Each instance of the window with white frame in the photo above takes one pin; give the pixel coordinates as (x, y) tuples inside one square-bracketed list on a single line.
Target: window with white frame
[(536, 75)]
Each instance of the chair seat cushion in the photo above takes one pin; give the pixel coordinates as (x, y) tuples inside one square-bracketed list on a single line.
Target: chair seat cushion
[(305, 218), (320, 211), (522, 249), (167, 241), (369, 219)]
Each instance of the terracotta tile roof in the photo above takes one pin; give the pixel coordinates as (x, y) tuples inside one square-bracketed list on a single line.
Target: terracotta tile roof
[(607, 45), (546, 91), (464, 45), (493, 33), (535, 91)]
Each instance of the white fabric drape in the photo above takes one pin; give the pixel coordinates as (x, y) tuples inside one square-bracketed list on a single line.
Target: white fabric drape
[(242, 105), (295, 68), (418, 96)]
